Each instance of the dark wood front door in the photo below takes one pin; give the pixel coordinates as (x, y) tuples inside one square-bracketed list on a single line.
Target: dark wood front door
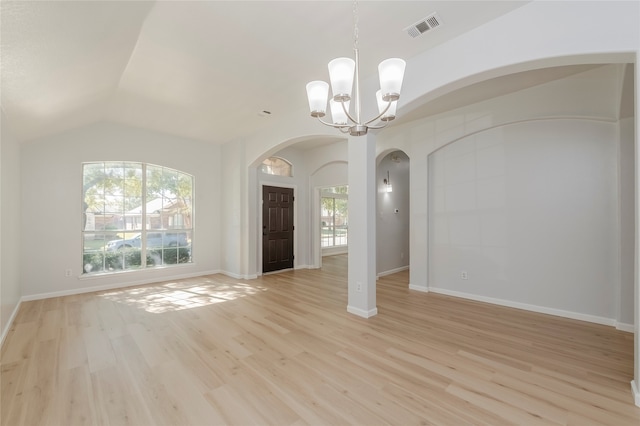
[(277, 228)]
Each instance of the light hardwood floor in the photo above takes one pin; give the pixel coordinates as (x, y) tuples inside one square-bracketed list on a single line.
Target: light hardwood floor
[(282, 350)]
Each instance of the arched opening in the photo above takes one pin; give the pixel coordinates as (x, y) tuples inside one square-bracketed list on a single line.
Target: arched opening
[(393, 213)]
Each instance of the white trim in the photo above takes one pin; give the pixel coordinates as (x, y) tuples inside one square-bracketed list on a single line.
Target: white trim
[(10, 322), (527, 307), (361, 312), (305, 267), (635, 392), (238, 276), (315, 243), (134, 272), (418, 288), (393, 271), (629, 328), (114, 286)]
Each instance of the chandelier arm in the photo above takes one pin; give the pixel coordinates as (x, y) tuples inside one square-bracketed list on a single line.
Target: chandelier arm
[(337, 126), (379, 115), (344, 108), (382, 126)]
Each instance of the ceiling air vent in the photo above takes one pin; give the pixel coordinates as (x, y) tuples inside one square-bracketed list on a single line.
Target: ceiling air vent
[(429, 23)]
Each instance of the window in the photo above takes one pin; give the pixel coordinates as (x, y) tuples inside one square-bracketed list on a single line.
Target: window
[(135, 216), (334, 231), (276, 166)]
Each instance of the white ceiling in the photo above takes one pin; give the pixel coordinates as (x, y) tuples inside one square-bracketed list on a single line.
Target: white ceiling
[(202, 70)]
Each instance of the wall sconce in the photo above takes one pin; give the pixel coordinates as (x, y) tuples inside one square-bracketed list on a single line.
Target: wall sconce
[(387, 182)]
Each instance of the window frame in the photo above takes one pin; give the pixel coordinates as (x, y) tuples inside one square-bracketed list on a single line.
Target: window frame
[(263, 166), (176, 243)]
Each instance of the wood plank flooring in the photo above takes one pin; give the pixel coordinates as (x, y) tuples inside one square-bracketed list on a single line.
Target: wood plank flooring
[(282, 350)]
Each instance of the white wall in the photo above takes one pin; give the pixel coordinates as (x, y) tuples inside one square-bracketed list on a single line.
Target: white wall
[(530, 212), (10, 238), (393, 229), (51, 176), (627, 220)]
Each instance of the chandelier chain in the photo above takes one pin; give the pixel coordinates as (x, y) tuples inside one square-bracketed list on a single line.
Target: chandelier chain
[(355, 24)]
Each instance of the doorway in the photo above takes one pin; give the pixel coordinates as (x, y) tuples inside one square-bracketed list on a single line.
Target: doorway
[(334, 220), (277, 228)]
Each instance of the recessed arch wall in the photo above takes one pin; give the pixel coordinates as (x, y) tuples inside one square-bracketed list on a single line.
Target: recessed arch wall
[(530, 211), (590, 95)]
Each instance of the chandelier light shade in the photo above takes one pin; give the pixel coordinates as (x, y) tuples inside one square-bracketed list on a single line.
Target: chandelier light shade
[(391, 73), (341, 71), (338, 113), (343, 74), (317, 92)]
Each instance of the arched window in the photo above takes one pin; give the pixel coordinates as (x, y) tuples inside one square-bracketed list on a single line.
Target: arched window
[(135, 216), (276, 166)]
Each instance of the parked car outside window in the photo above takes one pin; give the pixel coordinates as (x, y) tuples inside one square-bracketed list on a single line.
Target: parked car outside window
[(154, 240)]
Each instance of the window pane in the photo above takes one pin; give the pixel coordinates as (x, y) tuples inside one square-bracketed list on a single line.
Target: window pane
[(337, 189), (276, 166), (93, 252), (334, 231)]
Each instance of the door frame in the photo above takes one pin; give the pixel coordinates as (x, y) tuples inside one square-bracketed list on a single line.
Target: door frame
[(261, 185)]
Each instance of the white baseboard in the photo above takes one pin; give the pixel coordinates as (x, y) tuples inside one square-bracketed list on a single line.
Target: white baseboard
[(239, 276), (527, 307), (629, 328), (7, 327), (418, 288), (393, 271), (636, 392), (361, 312), (114, 286), (304, 267)]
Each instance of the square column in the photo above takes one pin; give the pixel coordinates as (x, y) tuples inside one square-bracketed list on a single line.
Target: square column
[(635, 383), (362, 226)]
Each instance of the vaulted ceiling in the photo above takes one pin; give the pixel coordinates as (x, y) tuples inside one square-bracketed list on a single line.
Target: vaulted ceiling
[(202, 70)]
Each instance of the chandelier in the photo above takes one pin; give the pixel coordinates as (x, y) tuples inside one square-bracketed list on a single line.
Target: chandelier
[(342, 73)]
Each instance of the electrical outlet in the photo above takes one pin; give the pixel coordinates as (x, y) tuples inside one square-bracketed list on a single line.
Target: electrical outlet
[(464, 275), (68, 272), (358, 286)]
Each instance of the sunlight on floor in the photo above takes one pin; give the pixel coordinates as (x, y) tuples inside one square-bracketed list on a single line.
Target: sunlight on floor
[(176, 296)]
